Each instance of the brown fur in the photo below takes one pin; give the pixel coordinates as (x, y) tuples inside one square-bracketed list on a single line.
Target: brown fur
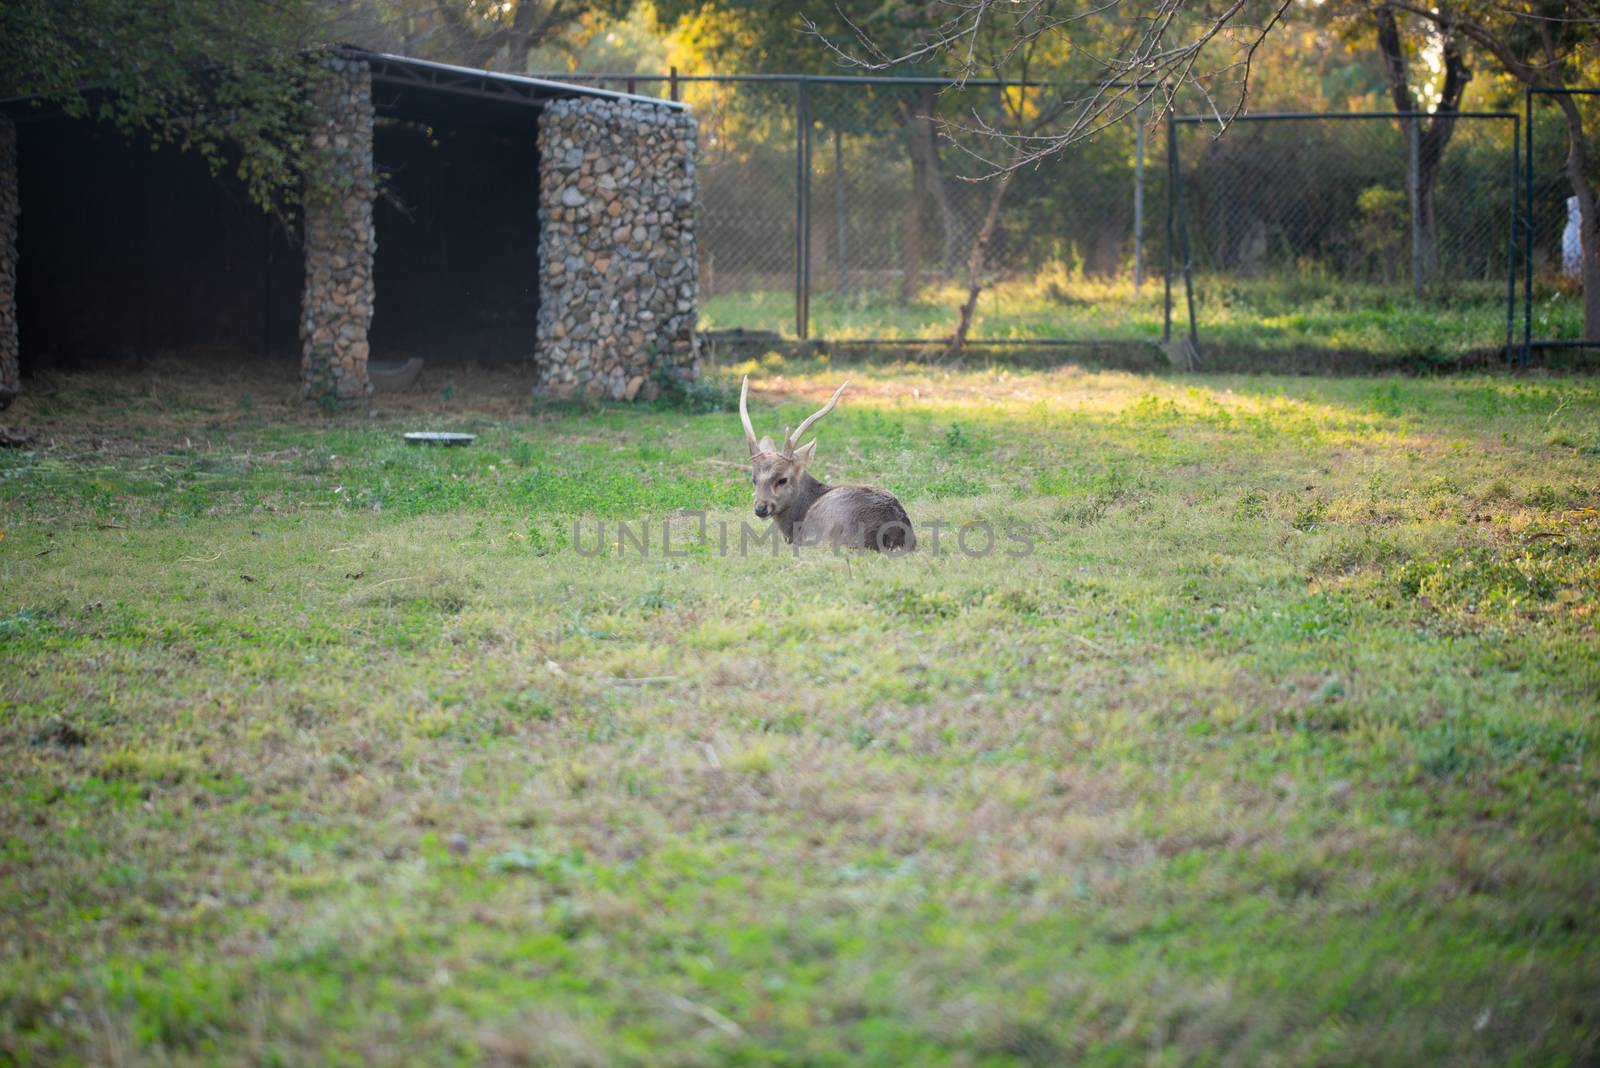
[(813, 512)]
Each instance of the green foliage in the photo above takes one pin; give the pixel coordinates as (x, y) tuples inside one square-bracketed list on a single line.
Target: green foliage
[(772, 35), (1383, 228), (227, 82), (700, 394), (521, 36), (322, 387)]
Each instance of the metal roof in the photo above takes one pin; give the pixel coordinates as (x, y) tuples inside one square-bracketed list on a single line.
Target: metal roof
[(425, 90), (391, 69)]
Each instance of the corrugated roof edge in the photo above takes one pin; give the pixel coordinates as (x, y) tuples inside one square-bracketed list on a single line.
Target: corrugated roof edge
[(558, 89), (554, 88)]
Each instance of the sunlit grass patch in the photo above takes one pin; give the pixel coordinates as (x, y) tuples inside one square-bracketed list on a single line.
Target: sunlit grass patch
[(1235, 315)]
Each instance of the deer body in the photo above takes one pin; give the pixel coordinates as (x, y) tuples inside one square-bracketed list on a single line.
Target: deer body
[(855, 517), (811, 512)]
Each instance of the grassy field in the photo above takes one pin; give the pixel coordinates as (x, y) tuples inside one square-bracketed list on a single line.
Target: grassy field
[(1281, 747), (1236, 316)]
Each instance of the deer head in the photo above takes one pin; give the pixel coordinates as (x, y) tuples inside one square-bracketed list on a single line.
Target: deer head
[(779, 473)]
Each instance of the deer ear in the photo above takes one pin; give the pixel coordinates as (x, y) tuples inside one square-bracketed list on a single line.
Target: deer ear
[(802, 455), (766, 445)]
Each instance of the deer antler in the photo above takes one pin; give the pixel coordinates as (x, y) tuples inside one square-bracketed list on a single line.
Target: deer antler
[(744, 417), (789, 440)]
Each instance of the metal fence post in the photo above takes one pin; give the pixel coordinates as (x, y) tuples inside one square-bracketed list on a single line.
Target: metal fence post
[(1138, 200), (1188, 259), (1527, 238), (1414, 195), (806, 246), (1511, 244), (1172, 187), (802, 208)]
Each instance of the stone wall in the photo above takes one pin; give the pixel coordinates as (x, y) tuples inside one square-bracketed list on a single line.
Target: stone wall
[(617, 268), (10, 381), (337, 303)]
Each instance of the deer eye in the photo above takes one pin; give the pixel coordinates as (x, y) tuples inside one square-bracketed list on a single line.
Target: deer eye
[(781, 481)]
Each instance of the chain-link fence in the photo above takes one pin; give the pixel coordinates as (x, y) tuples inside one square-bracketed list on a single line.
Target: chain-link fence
[(847, 209), (1349, 232), (895, 212), (1553, 290)]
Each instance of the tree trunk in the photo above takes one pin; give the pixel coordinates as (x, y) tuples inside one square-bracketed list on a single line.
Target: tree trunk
[(927, 180), (1435, 133), (1427, 204), (975, 265), (1428, 215), (926, 142), (1430, 156), (1588, 215), (912, 224)]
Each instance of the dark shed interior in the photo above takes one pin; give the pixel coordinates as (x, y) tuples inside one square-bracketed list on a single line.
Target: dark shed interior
[(458, 228), (127, 252)]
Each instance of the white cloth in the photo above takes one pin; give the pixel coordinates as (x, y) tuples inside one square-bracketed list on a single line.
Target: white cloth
[(1571, 241)]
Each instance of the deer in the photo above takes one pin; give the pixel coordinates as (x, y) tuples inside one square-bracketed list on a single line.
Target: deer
[(811, 512)]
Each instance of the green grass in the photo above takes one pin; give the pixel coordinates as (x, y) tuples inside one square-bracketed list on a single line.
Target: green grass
[(1280, 747), (1235, 316)]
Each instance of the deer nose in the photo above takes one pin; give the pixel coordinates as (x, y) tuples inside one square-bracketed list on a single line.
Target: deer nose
[(763, 510)]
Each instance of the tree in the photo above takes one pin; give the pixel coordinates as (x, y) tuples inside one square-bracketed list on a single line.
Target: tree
[(1132, 57), (225, 80), (1543, 44), (487, 34), (1123, 61), (1024, 116), (1432, 134), (777, 36)]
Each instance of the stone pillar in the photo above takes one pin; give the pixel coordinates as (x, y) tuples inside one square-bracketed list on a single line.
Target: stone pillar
[(10, 206), (337, 303), (618, 273)]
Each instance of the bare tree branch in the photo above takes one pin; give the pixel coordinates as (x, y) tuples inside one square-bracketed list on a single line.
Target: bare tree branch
[(1138, 56)]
